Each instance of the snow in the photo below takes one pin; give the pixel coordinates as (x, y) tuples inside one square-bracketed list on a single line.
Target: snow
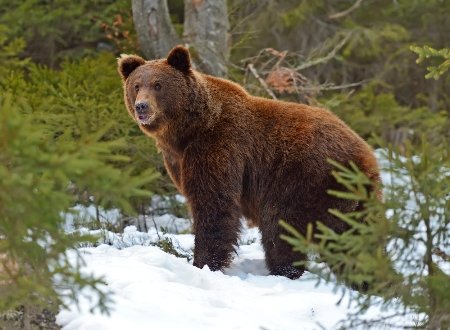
[(156, 290), (80, 215), (153, 289)]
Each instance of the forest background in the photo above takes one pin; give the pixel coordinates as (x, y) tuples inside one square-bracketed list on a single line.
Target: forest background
[(66, 139)]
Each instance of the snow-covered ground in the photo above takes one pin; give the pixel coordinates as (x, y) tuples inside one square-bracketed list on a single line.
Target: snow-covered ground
[(156, 290)]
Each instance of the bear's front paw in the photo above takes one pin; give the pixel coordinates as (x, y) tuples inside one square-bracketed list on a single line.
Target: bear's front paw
[(213, 263), (217, 255)]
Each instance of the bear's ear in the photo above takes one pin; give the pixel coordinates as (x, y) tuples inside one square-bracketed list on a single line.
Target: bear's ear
[(128, 63), (180, 59)]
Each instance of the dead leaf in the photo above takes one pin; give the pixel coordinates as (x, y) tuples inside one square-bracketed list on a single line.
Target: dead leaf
[(281, 79)]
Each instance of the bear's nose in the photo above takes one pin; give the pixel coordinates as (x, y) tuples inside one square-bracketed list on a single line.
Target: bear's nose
[(141, 107)]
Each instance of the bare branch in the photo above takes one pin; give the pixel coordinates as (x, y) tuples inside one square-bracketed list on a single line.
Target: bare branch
[(437, 251), (330, 87), (346, 12), (261, 81), (326, 58)]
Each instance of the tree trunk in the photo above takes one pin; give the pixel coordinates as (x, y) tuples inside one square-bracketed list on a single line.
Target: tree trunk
[(206, 28), (155, 31), (205, 32)]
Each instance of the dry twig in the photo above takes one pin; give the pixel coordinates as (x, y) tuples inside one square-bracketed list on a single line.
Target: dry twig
[(437, 251), (261, 81), (326, 58), (346, 12)]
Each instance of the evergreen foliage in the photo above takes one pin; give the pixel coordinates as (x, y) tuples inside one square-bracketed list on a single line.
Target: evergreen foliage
[(34, 182), (398, 247), (65, 139), (426, 52), (10, 48), (53, 30), (374, 112)]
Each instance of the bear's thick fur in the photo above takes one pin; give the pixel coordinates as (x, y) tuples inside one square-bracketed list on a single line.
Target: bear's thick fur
[(233, 154)]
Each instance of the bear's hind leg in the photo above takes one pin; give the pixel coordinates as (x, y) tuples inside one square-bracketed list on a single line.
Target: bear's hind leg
[(279, 254)]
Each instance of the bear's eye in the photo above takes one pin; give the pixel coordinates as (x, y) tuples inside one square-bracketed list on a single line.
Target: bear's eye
[(136, 88), (157, 86)]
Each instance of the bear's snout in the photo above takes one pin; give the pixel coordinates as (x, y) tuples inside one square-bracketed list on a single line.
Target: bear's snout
[(142, 110)]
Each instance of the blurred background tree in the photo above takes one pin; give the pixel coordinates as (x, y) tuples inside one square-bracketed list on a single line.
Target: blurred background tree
[(350, 56)]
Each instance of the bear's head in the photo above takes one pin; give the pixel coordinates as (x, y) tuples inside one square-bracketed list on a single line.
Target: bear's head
[(160, 92)]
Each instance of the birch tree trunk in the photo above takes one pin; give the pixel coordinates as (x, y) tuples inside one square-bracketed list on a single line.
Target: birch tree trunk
[(205, 32), (206, 28), (155, 31)]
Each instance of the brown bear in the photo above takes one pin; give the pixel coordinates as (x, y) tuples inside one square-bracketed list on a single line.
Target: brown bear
[(233, 154)]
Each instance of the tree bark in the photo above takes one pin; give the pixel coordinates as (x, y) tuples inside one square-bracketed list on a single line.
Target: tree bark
[(206, 28), (155, 31)]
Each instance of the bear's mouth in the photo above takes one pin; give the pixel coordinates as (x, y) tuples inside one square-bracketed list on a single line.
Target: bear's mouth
[(144, 119)]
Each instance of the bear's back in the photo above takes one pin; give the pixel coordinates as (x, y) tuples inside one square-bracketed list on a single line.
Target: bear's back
[(285, 149)]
